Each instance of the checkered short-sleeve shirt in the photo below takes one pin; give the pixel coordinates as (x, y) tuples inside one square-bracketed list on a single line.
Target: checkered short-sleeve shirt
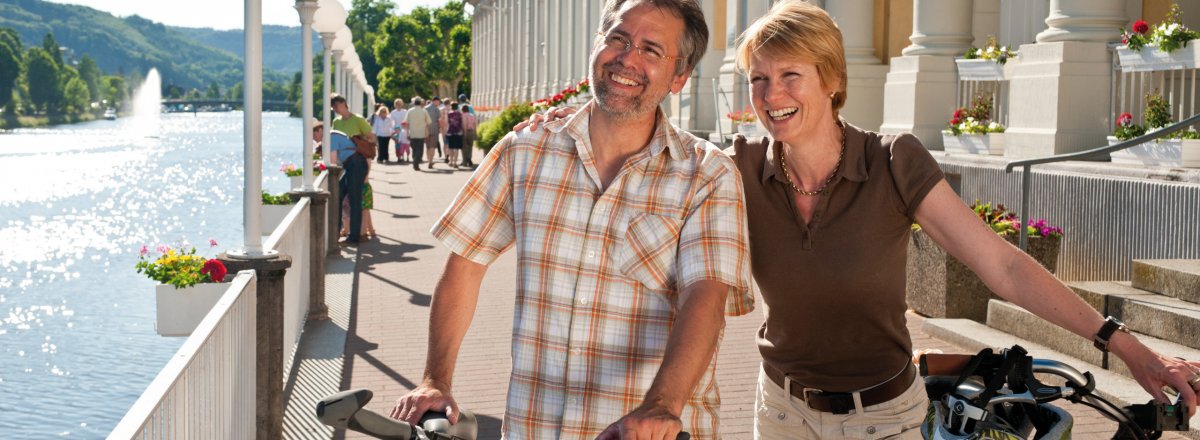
[(600, 271)]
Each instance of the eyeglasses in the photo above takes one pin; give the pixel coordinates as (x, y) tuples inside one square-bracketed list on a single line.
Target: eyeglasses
[(620, 43)]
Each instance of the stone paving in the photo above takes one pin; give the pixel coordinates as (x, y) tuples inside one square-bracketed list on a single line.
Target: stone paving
[(385, 347)]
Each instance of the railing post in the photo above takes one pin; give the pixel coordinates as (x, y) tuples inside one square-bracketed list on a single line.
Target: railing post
[(1026, 182), (268, 352), (316, 251), (335, 209)]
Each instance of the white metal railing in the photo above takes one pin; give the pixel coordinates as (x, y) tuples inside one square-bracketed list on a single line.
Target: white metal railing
[(291, 238), (1174, 81), (207, 389)]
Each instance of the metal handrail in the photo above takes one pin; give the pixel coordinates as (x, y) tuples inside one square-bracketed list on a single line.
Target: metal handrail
[(1080, 155)]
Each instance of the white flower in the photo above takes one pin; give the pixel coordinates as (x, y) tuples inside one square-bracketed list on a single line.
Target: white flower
[(991, 49), (995, 127)]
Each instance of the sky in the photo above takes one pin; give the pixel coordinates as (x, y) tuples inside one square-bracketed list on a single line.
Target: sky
[(218, 14)]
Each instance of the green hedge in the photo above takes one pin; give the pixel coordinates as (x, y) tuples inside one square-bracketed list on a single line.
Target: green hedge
[(491, 131)]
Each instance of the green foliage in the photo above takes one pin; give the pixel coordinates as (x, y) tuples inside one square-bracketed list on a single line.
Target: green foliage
[(364, 19), (282, 199), (75, 96), (90, 73), (41, 76), (425, 52), (493, 130), (1158, 111), (10, 66), (114, 90), (51, 47), (213, 91)]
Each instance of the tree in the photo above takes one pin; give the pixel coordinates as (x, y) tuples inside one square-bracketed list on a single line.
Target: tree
[(89, 72), (365, 19), (114, 88), (213, 92), (41, 75), (424, 52), (75, 96), (50, 45), (10, 66)]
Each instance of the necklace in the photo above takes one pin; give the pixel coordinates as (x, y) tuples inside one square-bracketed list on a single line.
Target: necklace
[(824, 186)]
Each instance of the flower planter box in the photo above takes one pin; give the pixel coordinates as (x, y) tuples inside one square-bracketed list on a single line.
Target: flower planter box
[(297, 181), (978, 144), (179, 311), (979, 70), (942, 287), (751, 130), (1152, 59), (272, 217), (1161, 152)]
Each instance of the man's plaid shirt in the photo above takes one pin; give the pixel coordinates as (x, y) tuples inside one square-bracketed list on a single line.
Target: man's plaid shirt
[(599, 272)]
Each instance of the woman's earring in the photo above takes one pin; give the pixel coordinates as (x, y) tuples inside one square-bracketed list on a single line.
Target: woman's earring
[(832, 94)]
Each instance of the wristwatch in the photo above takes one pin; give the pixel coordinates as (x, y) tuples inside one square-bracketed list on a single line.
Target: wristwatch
[(1111, 325)]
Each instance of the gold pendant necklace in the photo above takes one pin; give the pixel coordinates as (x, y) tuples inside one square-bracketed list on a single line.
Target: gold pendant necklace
[(824, 186)]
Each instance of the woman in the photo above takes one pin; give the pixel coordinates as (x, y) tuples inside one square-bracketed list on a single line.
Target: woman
[(381, 124), (454, 134), (469, 124), (830, 208)]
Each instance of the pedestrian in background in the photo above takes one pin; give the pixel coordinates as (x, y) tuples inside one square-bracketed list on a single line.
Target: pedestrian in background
[(354, 159), (469, 125), (397, 116), (433, 140), (381, 124), (419, 123), (454, 134)]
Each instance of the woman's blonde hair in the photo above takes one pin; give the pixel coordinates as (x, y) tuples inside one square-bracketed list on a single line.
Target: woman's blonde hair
[(800, 31)]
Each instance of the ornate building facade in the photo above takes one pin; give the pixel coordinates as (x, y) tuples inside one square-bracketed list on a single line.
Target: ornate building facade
[(900, 56)]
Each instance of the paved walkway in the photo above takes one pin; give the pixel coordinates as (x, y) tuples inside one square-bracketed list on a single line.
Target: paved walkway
[(385, 347)]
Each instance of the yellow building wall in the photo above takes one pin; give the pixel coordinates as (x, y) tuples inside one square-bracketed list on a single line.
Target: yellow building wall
[(893, 26)]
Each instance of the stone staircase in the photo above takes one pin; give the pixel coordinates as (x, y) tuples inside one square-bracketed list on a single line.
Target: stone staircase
[(1161, 304)]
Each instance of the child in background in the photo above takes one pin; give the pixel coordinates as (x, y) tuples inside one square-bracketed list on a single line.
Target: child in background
[(403, 147)]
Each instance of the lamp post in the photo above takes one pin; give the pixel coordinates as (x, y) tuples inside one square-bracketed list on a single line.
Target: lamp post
[(307, 10)]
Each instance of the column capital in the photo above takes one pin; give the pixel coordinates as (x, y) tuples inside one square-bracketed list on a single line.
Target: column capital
[(307, 10), (327, 40)]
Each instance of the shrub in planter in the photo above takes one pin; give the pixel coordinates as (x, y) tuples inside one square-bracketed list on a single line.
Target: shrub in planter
[(941, 286), (274, 210)]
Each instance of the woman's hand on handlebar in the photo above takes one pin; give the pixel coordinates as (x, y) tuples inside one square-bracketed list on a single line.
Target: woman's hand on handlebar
[(552, 114), (1153, 371), (429, 396), (647, 422)]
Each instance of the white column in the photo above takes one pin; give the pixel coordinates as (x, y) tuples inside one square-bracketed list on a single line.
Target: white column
[(252, 135), (1059, 92), (326, 92), (306, 9), (865, 74), (1084, 20), (921, 84), (739, 15), (337, 73), (540, 61)]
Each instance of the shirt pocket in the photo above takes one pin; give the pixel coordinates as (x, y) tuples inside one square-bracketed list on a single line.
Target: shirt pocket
[(648, 253)]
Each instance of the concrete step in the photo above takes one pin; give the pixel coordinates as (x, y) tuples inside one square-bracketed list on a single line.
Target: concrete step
[(1174, 278), (974, 336), (1159, 316), (1010, 318)]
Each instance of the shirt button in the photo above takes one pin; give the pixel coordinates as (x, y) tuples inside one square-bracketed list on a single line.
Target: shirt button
[(782, 415), (574, 401), (591, 254), (870, 430), (583, 301), (576, 351)]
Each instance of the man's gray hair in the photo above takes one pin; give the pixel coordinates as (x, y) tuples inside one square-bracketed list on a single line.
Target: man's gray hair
[(694, 43)]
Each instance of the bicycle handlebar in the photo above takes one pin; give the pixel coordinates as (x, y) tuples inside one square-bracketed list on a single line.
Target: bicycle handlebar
[(347, 410)]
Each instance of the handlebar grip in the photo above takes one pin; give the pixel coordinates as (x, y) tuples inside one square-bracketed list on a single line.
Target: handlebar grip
[(938, 364), (683, 436)]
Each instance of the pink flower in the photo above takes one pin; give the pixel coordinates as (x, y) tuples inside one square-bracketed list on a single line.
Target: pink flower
[(1141, 27), (212, 243), (162, 248), (144, 251), (215, 270)]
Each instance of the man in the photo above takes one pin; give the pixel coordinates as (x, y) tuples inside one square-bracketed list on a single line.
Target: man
[(433, 141), (463, 100), (397, 116), (358, 130), (631, 236), (418, 130)]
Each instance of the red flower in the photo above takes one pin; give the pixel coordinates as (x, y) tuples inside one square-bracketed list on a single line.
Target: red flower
[(1141, 27), (1124, 119), (215, 270)]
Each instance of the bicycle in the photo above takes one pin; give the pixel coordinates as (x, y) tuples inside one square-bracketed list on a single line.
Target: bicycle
[(996, 395), (346, 410)]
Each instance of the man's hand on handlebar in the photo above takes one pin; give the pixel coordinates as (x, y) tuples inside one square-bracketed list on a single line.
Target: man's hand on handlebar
[(552, 114), (429, 396), (647, 422)]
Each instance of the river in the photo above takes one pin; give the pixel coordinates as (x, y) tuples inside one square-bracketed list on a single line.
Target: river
[(77, 339)]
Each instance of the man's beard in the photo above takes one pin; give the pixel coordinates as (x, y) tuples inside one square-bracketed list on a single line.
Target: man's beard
[(635, 106)]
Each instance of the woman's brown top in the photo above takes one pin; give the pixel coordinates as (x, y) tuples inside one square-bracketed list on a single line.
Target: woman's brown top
[(834, 287)]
